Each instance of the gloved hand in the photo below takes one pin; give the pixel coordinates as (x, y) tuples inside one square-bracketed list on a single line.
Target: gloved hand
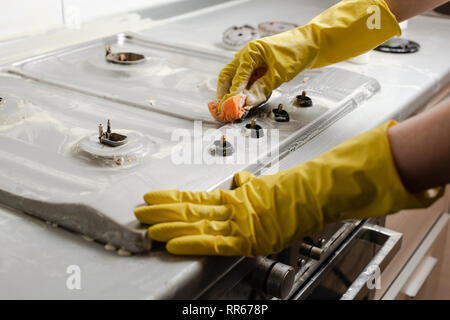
[(355, 180), (337, 34)]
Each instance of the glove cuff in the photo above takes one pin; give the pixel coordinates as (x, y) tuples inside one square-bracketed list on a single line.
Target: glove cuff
[(350, 28), (358, 179)]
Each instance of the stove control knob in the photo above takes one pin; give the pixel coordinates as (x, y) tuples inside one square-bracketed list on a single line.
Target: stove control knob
[(273, 278), (310, 251), (280, 281)]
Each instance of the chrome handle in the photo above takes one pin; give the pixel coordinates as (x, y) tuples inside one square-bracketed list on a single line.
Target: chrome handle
[(413, 286), (390, 241)]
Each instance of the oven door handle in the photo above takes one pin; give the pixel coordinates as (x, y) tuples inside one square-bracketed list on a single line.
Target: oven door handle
[(390, 241)]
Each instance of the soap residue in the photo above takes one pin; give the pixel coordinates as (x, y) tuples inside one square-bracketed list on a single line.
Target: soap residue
[(15, 111)]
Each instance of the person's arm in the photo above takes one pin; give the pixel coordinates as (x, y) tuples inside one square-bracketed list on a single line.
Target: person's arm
[(405, 9), (361, 178), (367, 176), (421, 148), (347, 29)]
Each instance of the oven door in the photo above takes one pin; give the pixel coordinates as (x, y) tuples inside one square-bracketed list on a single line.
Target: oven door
[(353, 270)]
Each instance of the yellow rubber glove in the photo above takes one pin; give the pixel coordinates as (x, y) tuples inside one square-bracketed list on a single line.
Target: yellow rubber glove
[(355, 180), (337, 34)]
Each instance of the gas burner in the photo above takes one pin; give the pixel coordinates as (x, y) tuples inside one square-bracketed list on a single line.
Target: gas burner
[(253, 130), (125, 153), (270, 28), (398, 45), (223, 147), (236, 36), (125, 58), (280, 115), (109, 138), (303, 100)]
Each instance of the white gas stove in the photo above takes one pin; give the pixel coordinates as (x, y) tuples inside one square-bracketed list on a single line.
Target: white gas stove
[(59, 171)]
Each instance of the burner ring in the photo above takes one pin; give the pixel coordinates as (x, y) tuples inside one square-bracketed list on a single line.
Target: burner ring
[(303, 100), (398, 45), (256, 132), (235, 37), (280, 115), (132, 152), (125, 58), (271, 28), (224, 149)]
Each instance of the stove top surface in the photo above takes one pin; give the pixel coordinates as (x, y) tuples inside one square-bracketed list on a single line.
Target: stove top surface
[(61, 171)]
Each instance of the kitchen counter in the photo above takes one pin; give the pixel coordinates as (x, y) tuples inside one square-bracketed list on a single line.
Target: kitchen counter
[(36, 255)]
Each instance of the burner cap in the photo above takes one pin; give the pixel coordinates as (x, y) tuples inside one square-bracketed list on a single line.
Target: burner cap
[(303, 100), (236, 36), (254, 130), (109, 138), (223, 147), (270, 28), (280, 115), (398, 45)]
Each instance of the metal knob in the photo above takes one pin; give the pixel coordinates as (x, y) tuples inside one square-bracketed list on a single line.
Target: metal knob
[(322, 242), (310, 251), (273, 278), (301, 263)]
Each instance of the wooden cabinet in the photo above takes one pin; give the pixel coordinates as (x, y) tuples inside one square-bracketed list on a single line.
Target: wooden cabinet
[(429, 280), (421, 269)]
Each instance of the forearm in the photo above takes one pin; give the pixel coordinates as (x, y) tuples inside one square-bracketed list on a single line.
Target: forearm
[(421, 149), (405, 9)]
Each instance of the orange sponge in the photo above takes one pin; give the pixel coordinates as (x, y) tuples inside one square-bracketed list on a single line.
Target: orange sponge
[(232, 108)]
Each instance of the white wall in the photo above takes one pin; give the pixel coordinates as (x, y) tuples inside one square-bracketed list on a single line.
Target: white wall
[(90, 9), (24, 17), (21, 17)]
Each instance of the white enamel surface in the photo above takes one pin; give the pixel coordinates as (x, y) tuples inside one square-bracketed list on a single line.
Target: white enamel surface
[(177, 83), (206, 28), (49, 136)]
